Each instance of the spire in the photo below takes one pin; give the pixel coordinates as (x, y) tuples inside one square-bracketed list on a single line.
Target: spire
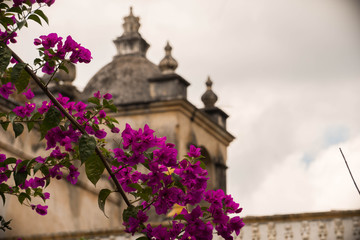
[(131, 23), (131, 42), (168, 64), (209, 98)]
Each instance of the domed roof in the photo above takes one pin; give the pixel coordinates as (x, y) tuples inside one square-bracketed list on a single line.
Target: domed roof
[(126, 77)]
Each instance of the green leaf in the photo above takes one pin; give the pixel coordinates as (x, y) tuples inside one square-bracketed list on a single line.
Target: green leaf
[(20, 178), (35, 18), (42, 15), (104, 193), (5, 56), (109, 105), (136, 186), (130, 211), (87, 145), (179, 217), (10, 160), (142, 238), (52, 119), (177, 181), (3, 188), (62, 67), (18, 129), (202, 164), (3, 197), (94, 100), (20, 77), (94, 168), (20, 24), (37, 167), (23, 196), (4, 125), (30, 125)]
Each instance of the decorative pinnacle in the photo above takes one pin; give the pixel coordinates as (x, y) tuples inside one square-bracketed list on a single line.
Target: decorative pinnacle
[(131, 23), (168, 64), (209, 98)]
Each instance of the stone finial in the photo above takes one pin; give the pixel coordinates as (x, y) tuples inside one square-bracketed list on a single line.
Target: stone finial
[(209, 98), (168, 64), (131, 23)]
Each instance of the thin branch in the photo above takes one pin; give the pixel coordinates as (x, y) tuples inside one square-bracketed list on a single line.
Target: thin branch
[(349, 171), (74, 122)]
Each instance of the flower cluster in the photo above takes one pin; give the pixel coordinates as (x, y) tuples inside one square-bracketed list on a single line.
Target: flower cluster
[(168, 182), (54, 49), (18, 3)]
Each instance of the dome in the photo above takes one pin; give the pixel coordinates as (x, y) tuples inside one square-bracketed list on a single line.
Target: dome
[(126, 78)]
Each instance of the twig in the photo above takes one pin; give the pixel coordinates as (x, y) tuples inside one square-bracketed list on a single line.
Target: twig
[(349, 171), (74, 122)]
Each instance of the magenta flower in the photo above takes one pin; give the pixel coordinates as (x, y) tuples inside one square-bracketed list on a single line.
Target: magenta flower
[(24, 111), (115, 130), (50, 40), (42, 210), (55, 172), (7, 89), (44, 107), (73, 175), (29, 94), (39, 159), (102, 114), (45, 196), (100, 134), (194, 151), (97, 95), (48, 69), (107, 96)]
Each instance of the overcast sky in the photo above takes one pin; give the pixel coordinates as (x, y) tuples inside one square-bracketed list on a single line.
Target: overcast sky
[(286, 71)]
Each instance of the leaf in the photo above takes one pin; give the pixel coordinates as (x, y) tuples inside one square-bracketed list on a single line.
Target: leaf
[(20, 178), (42, 15), (109, 105), (20, 24), (18, 129), (94, 100), (87, 145), (35, 18), (5, 56), (177, 182), (142, 238), (202, 164), (3, 197), (62, 67), (104, 193), (136, 186), (20, 77), (23, 196), (130, 211), (94, 168), (4, 125), (179, 217), (52, 119)]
